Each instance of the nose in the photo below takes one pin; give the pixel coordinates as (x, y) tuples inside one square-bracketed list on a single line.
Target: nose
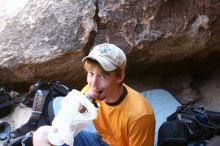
[(94, 82)]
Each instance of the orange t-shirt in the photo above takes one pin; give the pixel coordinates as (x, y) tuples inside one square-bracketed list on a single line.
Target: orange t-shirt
[(130, 123)]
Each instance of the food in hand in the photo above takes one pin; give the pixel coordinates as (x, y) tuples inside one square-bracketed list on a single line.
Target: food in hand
[(82, 108)]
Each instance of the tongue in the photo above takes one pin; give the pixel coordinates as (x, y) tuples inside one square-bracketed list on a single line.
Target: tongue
[(93, 94)]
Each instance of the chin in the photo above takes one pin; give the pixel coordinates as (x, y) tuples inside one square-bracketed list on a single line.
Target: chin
[(101, 98)]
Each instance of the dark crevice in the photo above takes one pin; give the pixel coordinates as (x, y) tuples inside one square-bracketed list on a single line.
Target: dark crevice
[(96, 18), (90, 42), (193, 66)]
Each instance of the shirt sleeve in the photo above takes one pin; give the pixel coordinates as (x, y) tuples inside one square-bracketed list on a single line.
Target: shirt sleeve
[(85, 89), (141, 131)]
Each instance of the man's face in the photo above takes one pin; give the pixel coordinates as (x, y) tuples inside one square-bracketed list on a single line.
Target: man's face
[(102, 86)]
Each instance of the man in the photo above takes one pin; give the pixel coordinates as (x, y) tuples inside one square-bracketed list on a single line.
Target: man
[(125, 118)]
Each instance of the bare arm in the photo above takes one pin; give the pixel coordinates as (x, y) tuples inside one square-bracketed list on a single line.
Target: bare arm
[(40, 136)]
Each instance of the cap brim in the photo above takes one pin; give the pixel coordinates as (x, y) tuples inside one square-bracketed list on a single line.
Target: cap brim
[(105, 64)]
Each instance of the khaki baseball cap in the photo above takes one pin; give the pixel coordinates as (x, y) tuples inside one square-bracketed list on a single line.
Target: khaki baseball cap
[(109, 56)]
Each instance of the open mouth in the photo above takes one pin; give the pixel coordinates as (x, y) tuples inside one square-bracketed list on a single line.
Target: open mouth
[(95, 94)]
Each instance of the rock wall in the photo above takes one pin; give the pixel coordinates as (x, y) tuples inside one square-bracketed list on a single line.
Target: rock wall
[(46, 39)]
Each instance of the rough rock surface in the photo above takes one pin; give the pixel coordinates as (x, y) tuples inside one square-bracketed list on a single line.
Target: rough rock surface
[(182, 87), (200, 90), (46, 39)]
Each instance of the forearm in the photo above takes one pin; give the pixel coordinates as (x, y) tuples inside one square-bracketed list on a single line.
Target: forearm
[(40, 136)]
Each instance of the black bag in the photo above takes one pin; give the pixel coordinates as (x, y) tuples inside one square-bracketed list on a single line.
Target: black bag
[(5, 108), (5, 129), (172, 134), (43, 93), (189, 124)]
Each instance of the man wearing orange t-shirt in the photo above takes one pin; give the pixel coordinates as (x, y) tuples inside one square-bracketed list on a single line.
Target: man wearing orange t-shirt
[(125, 117)]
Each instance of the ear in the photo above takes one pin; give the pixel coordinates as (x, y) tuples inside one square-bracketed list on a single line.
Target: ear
[(121, 77)]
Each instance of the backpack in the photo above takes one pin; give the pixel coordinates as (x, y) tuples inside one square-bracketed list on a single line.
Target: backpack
[(5, 109), (189, 124), (39, 96), (7, 99)]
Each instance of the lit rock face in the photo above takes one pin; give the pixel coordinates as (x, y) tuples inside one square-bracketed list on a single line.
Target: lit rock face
[(46, 39), (161, 31)]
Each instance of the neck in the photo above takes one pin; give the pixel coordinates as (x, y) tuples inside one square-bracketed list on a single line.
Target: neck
[(117, 94)]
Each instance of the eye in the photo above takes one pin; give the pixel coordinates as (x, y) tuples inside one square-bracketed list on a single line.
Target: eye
[(103, 76), (90, 73)]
